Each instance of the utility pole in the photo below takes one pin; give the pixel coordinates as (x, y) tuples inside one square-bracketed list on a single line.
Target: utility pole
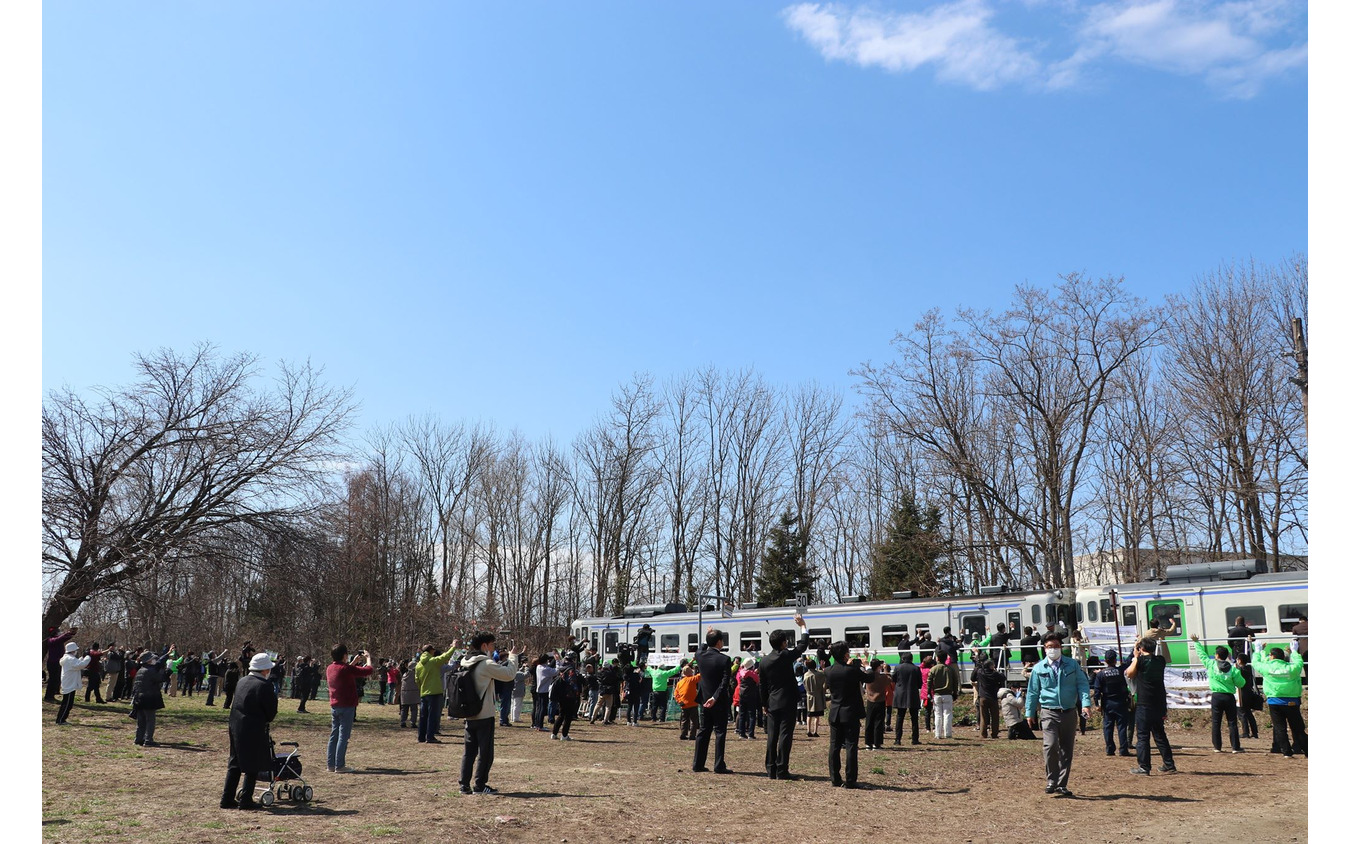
[(1301, 362)]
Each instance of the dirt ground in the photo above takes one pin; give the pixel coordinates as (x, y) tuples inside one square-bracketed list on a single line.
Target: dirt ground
[(621, 783)]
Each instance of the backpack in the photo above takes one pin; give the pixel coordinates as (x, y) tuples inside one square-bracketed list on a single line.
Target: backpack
[(461, 698)]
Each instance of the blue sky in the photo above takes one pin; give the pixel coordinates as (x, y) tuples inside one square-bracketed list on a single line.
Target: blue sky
[(501, 211)]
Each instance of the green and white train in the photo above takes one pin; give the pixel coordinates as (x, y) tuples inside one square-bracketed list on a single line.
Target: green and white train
[(1204, 598)]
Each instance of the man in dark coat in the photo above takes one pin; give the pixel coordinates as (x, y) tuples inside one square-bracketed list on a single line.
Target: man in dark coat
[(254, 707), (778, 685), (147, 698), (908, 683), (845, 678), (714, 696)]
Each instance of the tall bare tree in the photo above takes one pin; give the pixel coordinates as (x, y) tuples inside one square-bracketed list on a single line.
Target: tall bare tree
[(193, 447)]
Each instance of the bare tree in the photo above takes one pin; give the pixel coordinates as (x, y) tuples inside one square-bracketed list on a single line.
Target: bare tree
[(191, 448)]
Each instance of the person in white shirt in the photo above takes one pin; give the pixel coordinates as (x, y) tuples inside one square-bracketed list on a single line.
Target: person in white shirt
[(71, 666)]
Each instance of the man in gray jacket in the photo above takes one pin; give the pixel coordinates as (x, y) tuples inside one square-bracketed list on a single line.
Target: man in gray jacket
[(480, 727)]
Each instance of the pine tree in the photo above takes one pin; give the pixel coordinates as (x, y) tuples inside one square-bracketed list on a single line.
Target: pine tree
[(907, 558), (783, 571)]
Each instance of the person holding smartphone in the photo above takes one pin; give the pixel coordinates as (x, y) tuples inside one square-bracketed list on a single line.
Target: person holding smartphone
[(343, 698)]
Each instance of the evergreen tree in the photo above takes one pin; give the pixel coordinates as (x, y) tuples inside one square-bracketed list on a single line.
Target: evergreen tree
[(908, 556), (783, 571)]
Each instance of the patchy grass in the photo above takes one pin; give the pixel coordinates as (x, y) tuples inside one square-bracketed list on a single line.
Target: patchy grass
[(98, 785)]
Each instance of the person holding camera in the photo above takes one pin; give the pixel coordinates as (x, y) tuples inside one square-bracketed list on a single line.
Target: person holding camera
[(431, 690), (343, 698), (479, 728), (1150, 711)]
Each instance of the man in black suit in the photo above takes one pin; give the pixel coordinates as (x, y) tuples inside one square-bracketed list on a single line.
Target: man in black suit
[(778, 685), (908, 682), (845, 679), (714, 697)]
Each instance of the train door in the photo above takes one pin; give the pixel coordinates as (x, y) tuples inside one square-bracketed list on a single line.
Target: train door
[(1176, 641), (973, 627)]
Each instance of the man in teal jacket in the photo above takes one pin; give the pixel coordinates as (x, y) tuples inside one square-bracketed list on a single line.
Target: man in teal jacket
[(1224, 681), (1282, 681), (1058, 686)]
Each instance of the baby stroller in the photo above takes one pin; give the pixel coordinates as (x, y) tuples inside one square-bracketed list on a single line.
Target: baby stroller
[(283, 782)]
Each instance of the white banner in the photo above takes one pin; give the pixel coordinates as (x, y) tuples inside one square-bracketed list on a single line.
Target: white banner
[(1103, 638), (1187, 686)]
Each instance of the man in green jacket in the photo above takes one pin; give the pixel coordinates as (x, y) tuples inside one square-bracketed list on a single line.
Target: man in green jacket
[(432, 689), (1282, 681), (660, 690), (1224, 681)]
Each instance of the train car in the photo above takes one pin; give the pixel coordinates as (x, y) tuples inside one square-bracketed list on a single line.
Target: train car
[(1204, 599), (873, 625)]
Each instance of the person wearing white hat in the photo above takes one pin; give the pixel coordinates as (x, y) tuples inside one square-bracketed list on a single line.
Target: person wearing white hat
[(253, 708), (71, 666)]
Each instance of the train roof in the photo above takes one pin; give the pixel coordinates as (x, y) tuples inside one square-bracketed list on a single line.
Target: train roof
[(1273, 578)]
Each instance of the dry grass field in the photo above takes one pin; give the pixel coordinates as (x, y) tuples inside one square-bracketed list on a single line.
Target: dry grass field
[(619, 784)]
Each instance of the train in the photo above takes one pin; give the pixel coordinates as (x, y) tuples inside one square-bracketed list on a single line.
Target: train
[(1203, 599)]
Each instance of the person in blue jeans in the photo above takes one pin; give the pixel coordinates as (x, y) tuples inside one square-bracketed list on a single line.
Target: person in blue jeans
[(431, 686), (342, 697)]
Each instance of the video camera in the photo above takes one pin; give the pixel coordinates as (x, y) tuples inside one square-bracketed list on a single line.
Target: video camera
[(625, 654)]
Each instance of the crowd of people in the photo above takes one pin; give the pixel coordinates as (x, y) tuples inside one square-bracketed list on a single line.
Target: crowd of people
[(859, 696)]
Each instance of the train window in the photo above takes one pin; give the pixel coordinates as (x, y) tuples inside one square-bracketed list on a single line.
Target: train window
[(858, 637), (1108, 614), (1035, 613), (1092, 610), (595, 641), (670, 643), (1128, 615), (920, 629), (973, 626), (791, 641), (891, 633), (1014, 622), (1253, 617), (750, 640), (820, 637), (1162, 613), (1078, 612), (1289, 614), (611, 641), (693, 643)]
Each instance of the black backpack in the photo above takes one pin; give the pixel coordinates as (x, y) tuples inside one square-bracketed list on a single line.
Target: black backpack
[(461, 698)]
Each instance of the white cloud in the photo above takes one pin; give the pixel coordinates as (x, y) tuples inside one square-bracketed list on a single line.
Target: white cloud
[(954, 38), (1234, 45)]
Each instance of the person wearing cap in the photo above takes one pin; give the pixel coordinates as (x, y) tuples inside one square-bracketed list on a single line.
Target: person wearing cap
[(147, 697), (70, 667), (1057, 686), (254, 707), (1110, 692)]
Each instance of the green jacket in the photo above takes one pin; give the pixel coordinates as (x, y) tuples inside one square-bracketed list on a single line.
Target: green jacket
[(661, 679), (1220, 682), (176, 664), (1279, 678), (428, 673)]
